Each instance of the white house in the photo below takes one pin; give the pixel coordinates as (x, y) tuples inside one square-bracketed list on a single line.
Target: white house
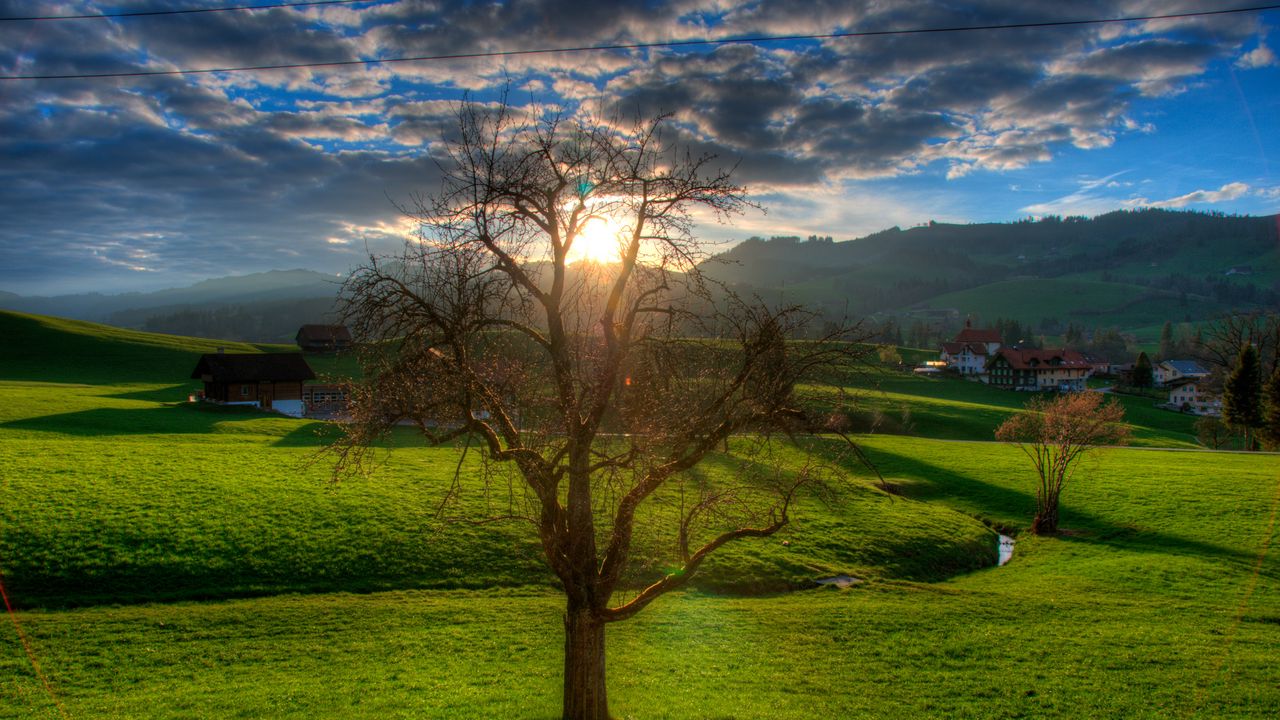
[(1187, 395), (969, 352)]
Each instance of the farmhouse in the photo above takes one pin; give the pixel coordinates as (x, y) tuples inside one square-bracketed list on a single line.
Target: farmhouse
[(969, 352), (1166, 372), (1101, 365), (271, 381), (1188, 395), (323, 338), (1033, 369)]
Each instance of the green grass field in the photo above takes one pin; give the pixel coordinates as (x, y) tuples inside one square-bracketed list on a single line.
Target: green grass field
[(1086, 302), (171, 560)]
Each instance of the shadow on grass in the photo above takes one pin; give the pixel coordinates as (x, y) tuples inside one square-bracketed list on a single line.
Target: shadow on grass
[(316, 434), (167, 394), (1001, 504), (177, 418)]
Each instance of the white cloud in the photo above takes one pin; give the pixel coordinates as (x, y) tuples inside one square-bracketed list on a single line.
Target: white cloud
[(1258, 57), (1230, 191), (1085, 200)]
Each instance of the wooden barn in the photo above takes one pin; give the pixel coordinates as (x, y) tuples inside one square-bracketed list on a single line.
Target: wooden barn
[(323, 338), (271, 381)]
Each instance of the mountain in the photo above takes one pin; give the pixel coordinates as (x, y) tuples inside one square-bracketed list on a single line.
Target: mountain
[(261, 307), (240, 289), (1127, 268)]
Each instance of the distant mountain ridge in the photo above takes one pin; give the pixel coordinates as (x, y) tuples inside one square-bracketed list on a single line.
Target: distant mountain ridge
[(255, 287), (1205, 263), (259, 307)]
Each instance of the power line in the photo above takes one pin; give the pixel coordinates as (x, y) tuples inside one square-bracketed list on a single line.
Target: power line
[(639, 46), (191, 11)]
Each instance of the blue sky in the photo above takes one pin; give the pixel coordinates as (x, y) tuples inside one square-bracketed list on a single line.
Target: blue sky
[(140, 183)]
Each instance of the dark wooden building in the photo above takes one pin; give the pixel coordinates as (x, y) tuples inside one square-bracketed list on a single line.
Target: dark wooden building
[(323, 338), (272, 381), (1038, 370)]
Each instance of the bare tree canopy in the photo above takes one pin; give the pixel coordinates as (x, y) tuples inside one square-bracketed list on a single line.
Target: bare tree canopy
[(1054, 433), (595, 371), (1221, 341)]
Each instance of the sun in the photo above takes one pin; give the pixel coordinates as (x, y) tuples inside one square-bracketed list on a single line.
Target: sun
[(597, 242)]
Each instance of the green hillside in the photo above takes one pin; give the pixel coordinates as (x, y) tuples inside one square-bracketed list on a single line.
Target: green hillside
[(170, 560), (155, 478), (1089, 303), (1121, 269)]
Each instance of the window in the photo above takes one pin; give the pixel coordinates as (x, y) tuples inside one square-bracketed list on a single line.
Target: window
[(244, 391)]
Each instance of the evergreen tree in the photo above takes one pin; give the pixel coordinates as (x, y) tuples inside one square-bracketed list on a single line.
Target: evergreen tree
[(1142, 371), (1166, 341), (1242, 396), (1271, 415), (1074, 336)]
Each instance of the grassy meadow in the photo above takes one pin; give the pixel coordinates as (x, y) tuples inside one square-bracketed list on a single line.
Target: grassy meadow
[(172, 560)]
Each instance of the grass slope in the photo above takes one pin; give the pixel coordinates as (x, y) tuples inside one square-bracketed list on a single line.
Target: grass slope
[(903, 403), (1087, 302), (1145, 610), (1162, 599), (121, 493)]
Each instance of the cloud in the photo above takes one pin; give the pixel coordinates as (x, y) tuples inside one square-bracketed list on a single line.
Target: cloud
[(1258, 57), (1088, 199), (175, 174), (1230, 191)]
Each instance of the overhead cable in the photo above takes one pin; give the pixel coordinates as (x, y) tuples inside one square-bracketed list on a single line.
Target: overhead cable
[(639, 46)]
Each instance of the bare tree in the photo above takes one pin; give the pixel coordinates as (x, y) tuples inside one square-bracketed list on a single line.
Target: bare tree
[(1055, 433), (595, 386), (1221, 341)]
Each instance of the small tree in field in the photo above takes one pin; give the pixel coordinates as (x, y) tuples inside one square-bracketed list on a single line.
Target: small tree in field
[(1055, 433), (553, 311)]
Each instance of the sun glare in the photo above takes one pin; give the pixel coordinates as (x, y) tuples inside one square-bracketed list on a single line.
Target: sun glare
[(598, 242)]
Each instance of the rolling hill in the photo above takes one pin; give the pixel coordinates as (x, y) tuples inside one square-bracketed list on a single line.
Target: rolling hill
[(1126, 269), (168, 560)]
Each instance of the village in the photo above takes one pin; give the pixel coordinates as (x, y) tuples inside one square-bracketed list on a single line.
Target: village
[(285, 383), (978, 354)]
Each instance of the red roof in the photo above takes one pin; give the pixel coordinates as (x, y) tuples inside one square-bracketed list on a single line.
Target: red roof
[(1031, 359), (977, 335)]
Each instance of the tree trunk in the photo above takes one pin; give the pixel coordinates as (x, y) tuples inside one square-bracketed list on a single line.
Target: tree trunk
[(1046, 520), (585, 697)]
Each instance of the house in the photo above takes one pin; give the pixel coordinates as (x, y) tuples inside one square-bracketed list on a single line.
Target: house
[(1033, 369), (1188, 395), (271, 381), (968, 353), (1101, 365), (1166, 372), (323, 338)]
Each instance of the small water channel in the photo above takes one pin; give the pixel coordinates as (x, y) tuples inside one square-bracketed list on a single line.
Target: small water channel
[(1006, 549)]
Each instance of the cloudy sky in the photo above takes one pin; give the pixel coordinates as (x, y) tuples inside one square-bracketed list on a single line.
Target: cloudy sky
[(139, 183)]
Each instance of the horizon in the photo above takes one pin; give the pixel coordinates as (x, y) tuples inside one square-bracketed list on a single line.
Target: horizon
[(119, 185), (725, 247)]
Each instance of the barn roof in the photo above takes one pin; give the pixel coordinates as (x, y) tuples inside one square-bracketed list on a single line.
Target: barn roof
[(253, 367)]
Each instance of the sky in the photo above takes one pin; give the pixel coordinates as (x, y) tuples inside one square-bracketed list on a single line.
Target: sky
[(140, 183)]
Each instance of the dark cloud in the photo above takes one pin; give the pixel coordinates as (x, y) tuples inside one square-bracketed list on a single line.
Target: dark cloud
[(215, 174)]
